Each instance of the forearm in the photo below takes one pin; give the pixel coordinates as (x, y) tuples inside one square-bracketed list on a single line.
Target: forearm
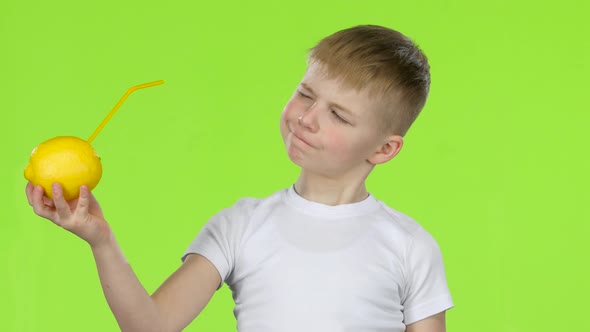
[(131, 305)]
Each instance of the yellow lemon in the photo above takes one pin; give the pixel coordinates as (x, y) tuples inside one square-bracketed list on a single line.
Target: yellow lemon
[(68, 160)]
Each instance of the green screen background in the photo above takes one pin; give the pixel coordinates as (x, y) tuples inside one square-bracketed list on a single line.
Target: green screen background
[(496, 166)]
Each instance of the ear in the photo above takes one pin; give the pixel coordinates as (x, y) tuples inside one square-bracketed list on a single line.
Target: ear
[(389, 149)]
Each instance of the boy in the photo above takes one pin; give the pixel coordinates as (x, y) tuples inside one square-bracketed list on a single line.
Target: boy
[(322, 255)]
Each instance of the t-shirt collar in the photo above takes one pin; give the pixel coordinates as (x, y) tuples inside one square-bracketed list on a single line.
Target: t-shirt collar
[(305, 206)]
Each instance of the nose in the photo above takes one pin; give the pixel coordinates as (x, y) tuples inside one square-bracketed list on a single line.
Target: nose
[(309, 119)]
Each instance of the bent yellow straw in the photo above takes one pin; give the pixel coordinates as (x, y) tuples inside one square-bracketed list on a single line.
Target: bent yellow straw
[(121, 101)]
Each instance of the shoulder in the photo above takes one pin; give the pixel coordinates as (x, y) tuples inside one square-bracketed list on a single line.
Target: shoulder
[(246, 209), (409, 228), (411, 237), (220, 239), (246, 206), (424, 290)]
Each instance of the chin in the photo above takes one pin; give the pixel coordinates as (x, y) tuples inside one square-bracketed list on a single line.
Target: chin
[(295, 158)]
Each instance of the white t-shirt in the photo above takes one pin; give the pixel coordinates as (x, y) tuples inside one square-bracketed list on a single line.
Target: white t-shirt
[(297, 265)]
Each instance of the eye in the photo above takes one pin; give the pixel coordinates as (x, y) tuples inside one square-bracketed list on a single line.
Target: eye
[(338, 117), (303, 94)]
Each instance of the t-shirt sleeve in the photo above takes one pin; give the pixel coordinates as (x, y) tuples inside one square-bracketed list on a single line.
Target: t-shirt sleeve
[(426, 291), (219, 238)]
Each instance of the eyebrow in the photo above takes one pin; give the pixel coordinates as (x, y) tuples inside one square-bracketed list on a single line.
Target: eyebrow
[(340, 107)]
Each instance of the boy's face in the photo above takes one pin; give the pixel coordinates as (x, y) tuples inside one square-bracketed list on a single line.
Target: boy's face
[(329, 129)]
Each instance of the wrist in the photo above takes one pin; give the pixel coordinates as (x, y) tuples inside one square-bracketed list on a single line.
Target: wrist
[(106, 243)]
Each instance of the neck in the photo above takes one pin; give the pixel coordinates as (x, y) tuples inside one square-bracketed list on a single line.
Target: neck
[(330, 191)]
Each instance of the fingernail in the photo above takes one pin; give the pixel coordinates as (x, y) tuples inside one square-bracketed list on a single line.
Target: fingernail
[(55, 188)]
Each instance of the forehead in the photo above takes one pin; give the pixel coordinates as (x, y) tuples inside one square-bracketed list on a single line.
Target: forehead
[(333, 90)]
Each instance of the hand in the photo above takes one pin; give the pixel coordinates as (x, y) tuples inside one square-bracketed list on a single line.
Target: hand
[(81, 216)]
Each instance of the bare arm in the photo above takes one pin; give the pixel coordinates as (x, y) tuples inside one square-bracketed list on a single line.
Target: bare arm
[(187, 291), (130, 303), (171, 308), (434, 323), (178, 301)]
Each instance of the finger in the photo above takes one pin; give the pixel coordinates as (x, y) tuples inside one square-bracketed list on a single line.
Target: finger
[(83, 203), (61, 206), (38, 206), (29, 191), (47, 201)]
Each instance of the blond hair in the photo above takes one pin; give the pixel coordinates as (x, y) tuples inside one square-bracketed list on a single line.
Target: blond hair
[(383, 63)]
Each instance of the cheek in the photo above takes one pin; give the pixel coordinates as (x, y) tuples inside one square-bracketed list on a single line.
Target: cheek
[(287, 114), (287, 108), (343, 146), (291, 108), (336, 141)]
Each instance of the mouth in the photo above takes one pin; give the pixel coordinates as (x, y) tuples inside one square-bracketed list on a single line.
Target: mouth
[(300, 138)]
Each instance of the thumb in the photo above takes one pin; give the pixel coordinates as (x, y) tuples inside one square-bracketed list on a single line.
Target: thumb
[(94, 207)]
